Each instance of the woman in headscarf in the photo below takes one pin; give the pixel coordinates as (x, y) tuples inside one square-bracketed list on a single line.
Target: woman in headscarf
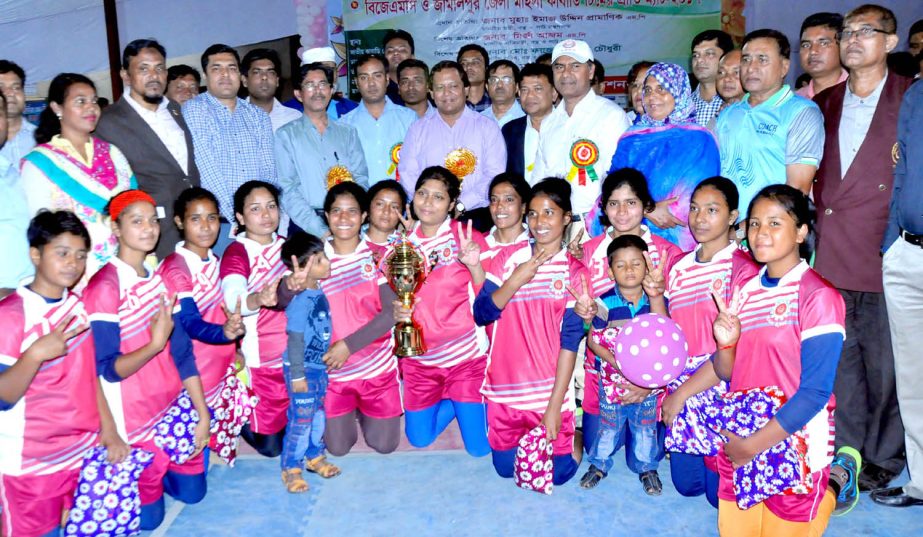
[(670, 149)]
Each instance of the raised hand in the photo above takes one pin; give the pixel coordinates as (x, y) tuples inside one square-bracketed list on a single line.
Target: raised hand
[(266, 297), (234, 325), (586, 307), (298, 279), (574, 247), (54, 343), (406, 222), (526, 271), (162, 323), (727, 325), (469, 251), (654, 282)]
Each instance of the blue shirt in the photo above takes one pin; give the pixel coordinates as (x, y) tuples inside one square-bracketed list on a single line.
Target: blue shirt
[(21, 144), (14, 221), (304, 156), (705, 110), (308, 314), (758, 142), (907, 198), (515, 112), (620, 309), (231, 148), (378, 136)]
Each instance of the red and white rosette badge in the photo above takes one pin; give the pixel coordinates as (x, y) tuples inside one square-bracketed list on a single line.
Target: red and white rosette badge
[(583, 156), (534, 466)]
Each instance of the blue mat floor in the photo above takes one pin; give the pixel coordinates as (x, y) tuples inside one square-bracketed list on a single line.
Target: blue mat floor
[(448, 493)]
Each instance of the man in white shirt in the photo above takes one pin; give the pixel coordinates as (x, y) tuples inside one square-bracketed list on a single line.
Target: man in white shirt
[(502, 79), (537, 93), (260, 69), (579, 137), (152, 134)]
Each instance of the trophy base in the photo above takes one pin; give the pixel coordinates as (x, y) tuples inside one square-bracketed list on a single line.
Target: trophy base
[(408, 340)]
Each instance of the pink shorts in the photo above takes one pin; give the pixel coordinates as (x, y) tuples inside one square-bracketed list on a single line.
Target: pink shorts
[(269, 385), (378, 397), (506, 425), (424, 386), (590, 402), (32, 505), (791, 507)]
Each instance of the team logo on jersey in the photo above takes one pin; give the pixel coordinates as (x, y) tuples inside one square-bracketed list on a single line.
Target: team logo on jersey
[(779, 312), (367, 270), (444, 255), (558, 285), (717, 284)]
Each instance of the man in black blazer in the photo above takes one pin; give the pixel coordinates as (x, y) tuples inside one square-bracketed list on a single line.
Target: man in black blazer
[(537, 96), (150, 131)]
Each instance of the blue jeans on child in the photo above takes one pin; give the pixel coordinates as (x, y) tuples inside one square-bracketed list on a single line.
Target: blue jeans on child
[(634, 425), (304, 434)]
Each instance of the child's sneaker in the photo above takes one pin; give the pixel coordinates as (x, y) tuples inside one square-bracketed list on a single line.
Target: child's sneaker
[(592, 477), (844, 474), (651, 483)]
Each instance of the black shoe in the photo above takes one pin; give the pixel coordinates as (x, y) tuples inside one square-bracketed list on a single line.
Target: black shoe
[(592, 477), (894, 497), (874, 477), (651, 483)]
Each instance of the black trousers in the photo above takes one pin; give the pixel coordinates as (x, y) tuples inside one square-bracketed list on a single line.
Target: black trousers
[(867, 414)]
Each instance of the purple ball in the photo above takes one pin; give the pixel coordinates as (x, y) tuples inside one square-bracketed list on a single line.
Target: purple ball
[(651, 350)]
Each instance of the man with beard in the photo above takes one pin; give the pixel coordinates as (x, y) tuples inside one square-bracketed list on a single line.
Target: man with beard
[(314, 153), (151, 132), (260, 70)]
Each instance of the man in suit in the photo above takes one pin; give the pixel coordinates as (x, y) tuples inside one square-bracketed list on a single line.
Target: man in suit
[(151, 132), (537, 96), (852, 192)]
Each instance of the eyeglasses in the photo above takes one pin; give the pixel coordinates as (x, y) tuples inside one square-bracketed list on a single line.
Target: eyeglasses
[(865, 32), (314, 86), (506, 80), (659, 91)]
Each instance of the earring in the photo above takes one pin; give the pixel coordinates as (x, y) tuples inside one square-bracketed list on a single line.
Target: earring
[(59, 116)]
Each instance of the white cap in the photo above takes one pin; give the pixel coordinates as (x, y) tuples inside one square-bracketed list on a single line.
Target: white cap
[(576, 49), (319, 54)]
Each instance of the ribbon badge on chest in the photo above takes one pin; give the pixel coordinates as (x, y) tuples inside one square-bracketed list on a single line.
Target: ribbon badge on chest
[(395, 154), (461, 162), (583, 156)]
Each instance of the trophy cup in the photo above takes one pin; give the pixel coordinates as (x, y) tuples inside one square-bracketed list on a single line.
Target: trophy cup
[(406, 270)]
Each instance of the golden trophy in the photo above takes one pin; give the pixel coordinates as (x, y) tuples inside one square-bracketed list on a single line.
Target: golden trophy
[(406, 269)]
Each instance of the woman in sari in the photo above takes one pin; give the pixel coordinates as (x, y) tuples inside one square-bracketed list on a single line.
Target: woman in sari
[(670, 149), (74, 171)]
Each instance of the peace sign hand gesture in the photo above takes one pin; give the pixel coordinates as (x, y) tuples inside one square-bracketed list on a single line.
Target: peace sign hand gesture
[(406, 221), (524, 273), (297, 280), (574, 247), (586, 307), (266, 297), (469, 251), (727, 325), (654, 282), (234, 325), (54, 343)]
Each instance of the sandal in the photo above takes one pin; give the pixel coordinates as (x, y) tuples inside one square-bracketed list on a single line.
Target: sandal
[(592, 477), (320, 466), (294, 482), (651, 483)]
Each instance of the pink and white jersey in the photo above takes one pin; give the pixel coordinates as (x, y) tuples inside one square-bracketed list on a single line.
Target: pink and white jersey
[(50, 428), (265, 340), (523, 358), (188, 276), (446, 298), (689, 290), (494, 247), (116, 294), (773, 323), (352, 291), (597, 264)]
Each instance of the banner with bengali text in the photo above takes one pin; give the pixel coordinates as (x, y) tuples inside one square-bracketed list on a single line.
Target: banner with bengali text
[(620, 32)]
